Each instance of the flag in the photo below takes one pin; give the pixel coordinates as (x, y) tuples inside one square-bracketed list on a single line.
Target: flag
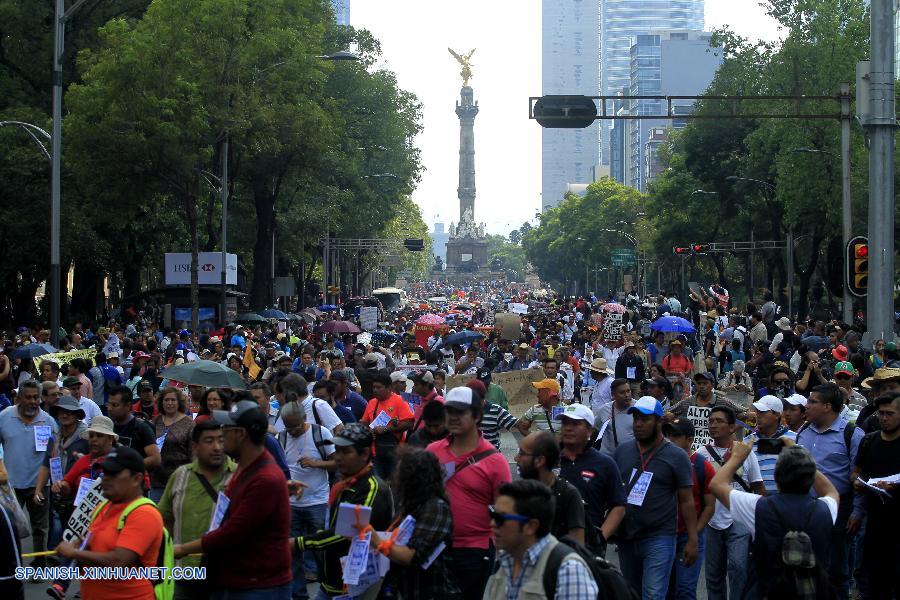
[(250, 362)]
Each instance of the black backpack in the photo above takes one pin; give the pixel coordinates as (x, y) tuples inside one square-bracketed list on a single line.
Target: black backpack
[(798, 574), (611, 583)]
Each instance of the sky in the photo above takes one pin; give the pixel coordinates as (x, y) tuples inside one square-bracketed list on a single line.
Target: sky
[(506, 34)]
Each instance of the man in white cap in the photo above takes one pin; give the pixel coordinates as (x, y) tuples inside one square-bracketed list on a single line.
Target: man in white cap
[(595, 475), (768, 426), (794, 412)]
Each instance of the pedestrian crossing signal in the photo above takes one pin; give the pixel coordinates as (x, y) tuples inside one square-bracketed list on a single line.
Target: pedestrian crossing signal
[(858, 266)]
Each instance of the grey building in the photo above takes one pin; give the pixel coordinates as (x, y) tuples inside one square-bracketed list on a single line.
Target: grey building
[(620, 22), (663, 63), (571, 57)]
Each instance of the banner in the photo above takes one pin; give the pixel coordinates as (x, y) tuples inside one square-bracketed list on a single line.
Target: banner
[(62, 358), (612, 326), (699, 416), (517, 385), (518, 308)]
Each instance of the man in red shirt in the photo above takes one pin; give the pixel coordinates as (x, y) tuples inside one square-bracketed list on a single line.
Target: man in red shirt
[(683, 581), (473, 472), (248, 551), (389, 435)]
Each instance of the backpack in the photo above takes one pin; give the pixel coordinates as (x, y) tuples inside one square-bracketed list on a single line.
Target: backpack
[(798, 575), (610, 581), (318, 441), (163, 589), (848, 435)]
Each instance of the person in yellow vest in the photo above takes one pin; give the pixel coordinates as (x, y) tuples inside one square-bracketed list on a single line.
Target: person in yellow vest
[(126, 531)]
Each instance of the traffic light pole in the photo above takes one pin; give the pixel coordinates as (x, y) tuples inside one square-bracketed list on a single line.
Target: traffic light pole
[(846, 207)]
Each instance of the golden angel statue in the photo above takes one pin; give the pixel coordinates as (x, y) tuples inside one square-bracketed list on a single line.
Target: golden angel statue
[(466, 62)]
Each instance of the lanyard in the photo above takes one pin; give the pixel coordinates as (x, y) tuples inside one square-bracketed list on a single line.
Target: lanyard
[(652, 453)]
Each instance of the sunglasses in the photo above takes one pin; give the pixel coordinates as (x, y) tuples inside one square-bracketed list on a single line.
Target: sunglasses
[(500, 518)]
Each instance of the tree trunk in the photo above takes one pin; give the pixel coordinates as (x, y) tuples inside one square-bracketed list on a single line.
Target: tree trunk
[(85, 284), (261, 291)]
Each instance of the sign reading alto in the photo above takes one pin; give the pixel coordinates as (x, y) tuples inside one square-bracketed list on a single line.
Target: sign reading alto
[(209, 264)]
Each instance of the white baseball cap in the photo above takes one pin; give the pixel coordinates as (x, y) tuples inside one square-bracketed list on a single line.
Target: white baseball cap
[(767, 403), (398, 376), (578, 411), (460, 396), (796, 400)]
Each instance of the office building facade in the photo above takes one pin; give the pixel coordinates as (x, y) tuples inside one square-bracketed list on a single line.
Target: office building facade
[(571, 56)]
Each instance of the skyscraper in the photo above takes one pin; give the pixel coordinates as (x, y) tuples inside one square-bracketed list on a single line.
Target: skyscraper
[(620, 22), (571, 58), (341, 11)]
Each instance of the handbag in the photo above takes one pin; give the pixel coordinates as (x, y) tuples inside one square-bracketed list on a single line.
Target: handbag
[(15, 511)]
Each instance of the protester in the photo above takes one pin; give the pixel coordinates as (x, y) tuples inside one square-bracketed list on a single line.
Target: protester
[(358, 485), (473, 472), (345, 396), (190, 496), (24, 455), (768, 426), (615, 420), (72, 386), (494, 417), (69, 448), (173, 438), (795, 412), (133, 432), (398, 419), (547, 410), (126, 530), (599, 381), (146, 406), (522, 518), (433, 427), (248, 552), (647, 539), (421, 495)]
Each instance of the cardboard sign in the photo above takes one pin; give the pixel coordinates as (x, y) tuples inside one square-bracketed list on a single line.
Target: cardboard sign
[(517, 385), (699, 416), (510, 326), (62, 358), (81, 518)]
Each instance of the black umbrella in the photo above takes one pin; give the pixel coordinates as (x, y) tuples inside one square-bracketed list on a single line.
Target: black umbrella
[(250, 318)]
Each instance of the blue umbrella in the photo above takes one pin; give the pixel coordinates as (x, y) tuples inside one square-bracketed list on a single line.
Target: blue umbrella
[(32, 351), (672, 324), (273, 313), (463, 337), (327, 307)]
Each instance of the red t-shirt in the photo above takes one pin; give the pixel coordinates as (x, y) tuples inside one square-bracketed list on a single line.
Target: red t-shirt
[(142, 534), (83, 467), (432, 397), (395, 407), (471, 491), (677, 364), (698, 494)]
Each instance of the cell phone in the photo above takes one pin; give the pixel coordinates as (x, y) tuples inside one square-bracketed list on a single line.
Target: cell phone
[(770, 446)]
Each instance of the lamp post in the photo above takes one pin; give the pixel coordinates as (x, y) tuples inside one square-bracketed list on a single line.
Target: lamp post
[(846, 206)]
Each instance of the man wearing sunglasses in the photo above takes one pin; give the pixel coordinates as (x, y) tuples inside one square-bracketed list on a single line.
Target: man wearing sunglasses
[(521, 519)]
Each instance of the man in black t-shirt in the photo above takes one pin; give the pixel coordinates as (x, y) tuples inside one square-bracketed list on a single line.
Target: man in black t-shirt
[(879, 456), (133, 432)]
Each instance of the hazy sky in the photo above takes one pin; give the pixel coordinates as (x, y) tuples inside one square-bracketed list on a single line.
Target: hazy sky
[(507, 70)]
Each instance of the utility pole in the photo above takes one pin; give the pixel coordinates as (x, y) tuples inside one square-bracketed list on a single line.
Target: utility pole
[(223, 316), (846, 208), (881, 125)]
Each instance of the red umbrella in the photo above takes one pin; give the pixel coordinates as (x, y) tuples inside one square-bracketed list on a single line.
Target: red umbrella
[(430, 319), (338, 327)]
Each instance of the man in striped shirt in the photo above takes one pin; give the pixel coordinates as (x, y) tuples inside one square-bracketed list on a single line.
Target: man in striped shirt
[(494, 416), (768, 425)]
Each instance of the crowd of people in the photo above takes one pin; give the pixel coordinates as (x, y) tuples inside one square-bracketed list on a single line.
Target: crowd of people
[(759, 452)]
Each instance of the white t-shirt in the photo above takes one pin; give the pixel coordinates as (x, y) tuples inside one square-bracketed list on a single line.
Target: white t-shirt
[(749, 471), (90, 409), (743, 508), (316, 479), (327, 418)]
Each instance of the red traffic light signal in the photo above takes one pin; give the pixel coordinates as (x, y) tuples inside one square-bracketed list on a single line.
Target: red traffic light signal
[(858, 266), (682, 250), (700, 248)]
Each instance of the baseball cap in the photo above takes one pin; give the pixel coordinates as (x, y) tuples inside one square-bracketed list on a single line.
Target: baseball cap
[(398, 376), (796, 400), (354, 434), (461, 397), (71, 380), (112, 355), (767, 403), (580, 412), (122, 457), (647, 405), (339, 375), (140, 355), (844, 367), (245, 414), (478, 386), (546, 384), (679, 427), (423, 377), (707, 376), (144, 385)]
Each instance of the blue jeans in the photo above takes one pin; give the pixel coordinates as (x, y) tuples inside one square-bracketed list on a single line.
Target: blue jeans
[(647, 563), (305, 520), (683, 585), (281, 592), (727, 554)]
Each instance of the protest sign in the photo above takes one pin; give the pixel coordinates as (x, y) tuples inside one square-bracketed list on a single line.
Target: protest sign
[(368, 318), (454, 381), (612, 326), (517, 308), (518, 388), (62, 358), (699, 416), (509, 324), (81, 518)]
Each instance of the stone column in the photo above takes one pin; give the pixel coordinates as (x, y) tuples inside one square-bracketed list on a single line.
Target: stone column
[(466, 111)]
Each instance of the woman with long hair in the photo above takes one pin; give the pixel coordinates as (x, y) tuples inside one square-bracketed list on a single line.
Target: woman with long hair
[(173, 438), (214, 399), (419, 486)]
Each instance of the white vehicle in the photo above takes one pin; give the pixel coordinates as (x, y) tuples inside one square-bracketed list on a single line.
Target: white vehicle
[(393, 299)]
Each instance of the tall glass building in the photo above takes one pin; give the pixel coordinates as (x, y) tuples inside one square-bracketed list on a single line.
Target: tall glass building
[(620, 22)]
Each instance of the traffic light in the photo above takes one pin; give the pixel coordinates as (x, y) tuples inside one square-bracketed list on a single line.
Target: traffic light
[(414, 245), (564, 112), (682, 250), (858, 266), (700, 248)]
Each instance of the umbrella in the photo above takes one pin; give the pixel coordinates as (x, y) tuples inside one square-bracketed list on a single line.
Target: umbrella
[(672, 324), (314, 312), (338, 327), (302, 317), (327, 307), (463, 337), (430, 319), (273, 313), (249, 318), (207, 373), (32, 351)]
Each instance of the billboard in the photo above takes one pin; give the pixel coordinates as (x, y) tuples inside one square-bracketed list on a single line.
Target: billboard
[(209, 264)]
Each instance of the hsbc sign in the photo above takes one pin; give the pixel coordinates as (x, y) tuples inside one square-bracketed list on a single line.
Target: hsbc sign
[(178, 268)]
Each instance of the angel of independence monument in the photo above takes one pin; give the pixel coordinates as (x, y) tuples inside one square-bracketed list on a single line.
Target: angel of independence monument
[(467, 245)]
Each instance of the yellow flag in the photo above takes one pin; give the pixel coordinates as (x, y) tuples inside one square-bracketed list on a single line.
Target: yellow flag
[(250, 362)]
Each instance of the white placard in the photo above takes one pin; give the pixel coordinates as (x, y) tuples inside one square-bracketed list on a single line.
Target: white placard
[(222, 504), (84, 486), (42, 435), (368, 318), (345, 524), (357, 558), (381, 420), (699, 416), (56, 473), (80, 520)]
